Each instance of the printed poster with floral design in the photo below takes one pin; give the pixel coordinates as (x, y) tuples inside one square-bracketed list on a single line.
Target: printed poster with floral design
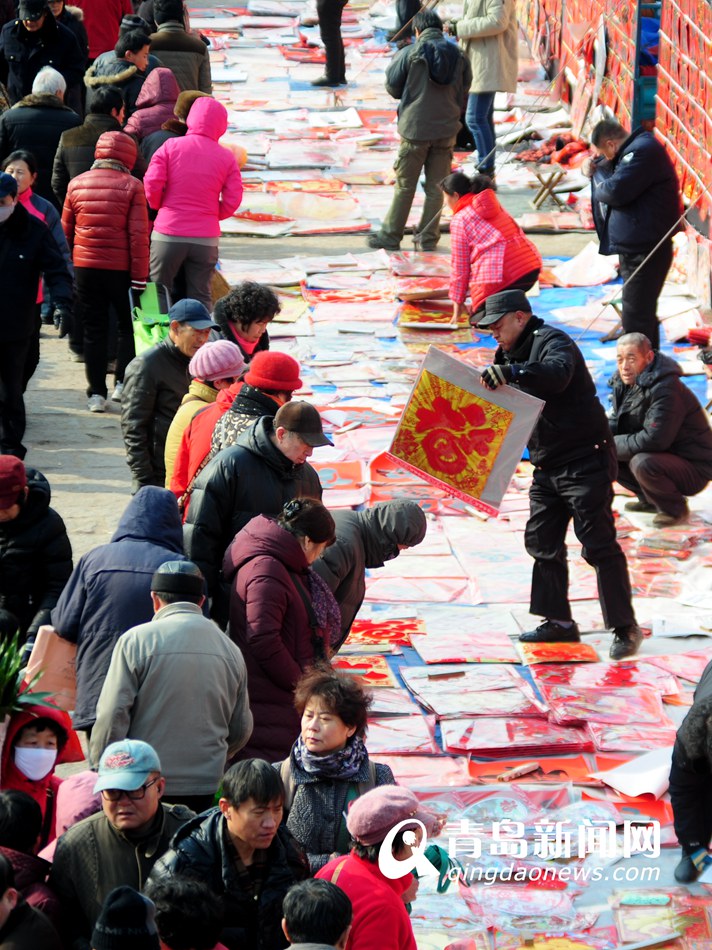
[(458, 435)]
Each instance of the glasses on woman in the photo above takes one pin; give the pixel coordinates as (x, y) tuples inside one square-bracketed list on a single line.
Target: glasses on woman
[(135, 795)]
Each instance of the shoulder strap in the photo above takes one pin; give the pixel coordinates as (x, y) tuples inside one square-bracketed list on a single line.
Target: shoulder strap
[(290, 786), (338, 869), (370, 782)]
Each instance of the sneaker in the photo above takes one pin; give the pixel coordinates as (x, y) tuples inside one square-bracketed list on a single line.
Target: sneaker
[(117, 393), (640, 504), (686, 872), (96, 403), (76, 357), (376, 241), (664, 520), (552, 632), (626, 641)]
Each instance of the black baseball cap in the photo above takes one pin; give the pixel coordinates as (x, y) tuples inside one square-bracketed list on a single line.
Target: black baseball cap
[(32, 9), (303, 419), (506, 301)]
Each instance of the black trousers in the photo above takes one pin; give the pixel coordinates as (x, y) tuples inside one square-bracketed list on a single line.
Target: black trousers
[(405, 11), (97, 291), (330, 12), (691, 801), (12, 406), (640, 296), (663, 479), (582, 491), (32, 359)]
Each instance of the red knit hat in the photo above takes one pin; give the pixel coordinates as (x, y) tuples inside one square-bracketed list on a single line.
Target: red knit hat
[(13, 480), (277, 372)]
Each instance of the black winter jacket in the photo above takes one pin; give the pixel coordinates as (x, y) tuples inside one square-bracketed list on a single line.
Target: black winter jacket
[(431, 78), (250, 478), (154, 384), (36, 124), (635, 197), (548, 364), (366, 539), (28, 250), (691, 771), (75, 152), (110, 590), (659, 413), (202, 850), (23, 54), (35, 558)]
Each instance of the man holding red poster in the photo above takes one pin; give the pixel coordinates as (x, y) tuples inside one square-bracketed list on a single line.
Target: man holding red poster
[(573, 453)]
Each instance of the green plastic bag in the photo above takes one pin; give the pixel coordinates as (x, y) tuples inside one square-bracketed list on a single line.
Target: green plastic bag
[(150, 322)]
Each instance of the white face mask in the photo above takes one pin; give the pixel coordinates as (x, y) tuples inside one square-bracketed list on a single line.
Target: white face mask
[(6, 211), (35, 763)]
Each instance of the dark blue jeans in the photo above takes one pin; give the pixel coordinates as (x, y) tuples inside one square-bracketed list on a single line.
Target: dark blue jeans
[(480, 121)]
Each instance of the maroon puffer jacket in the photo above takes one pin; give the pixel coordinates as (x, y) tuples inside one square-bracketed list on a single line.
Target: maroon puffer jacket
[(268, 621), (104, 215), (155, 103)]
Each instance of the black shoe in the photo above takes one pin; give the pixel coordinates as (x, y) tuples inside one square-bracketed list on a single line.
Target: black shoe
[(626, 641), (640, 505), (376, 241), (664, 520), (686, 872), (552, 632), (325, 81)]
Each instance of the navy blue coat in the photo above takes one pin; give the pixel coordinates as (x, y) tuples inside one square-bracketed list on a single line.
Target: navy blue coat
[(636, 197), (23, 54), (110, 589)]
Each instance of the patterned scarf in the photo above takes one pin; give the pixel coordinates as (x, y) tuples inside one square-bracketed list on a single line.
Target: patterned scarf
[(343, 764), (326, 609), (111, 163)]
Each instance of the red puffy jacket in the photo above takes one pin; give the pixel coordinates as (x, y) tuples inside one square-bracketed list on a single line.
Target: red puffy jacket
[(104, 215)]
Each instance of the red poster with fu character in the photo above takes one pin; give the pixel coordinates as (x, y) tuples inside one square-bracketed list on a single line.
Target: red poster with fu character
[(458, 435)]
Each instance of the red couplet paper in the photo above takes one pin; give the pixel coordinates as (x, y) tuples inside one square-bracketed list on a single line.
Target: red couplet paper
[(458, 435)]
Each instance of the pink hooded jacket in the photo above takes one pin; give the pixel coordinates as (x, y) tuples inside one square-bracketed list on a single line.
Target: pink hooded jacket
[(192, 181), (155, 103)]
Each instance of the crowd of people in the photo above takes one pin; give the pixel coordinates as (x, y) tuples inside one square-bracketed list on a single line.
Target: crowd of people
[(252, 816)]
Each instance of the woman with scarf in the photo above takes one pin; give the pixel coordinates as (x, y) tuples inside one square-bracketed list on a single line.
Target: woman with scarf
[(23, 168), (282, 615), (244, 314), (489, 252), (328, 767), (106, 224)]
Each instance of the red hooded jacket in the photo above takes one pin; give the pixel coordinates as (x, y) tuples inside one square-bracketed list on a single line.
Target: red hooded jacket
[(104, 216), (44, 790)]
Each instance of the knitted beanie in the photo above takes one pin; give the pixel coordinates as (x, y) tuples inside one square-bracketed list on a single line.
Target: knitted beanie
[(126, 922), (275, 371), (217, 360)]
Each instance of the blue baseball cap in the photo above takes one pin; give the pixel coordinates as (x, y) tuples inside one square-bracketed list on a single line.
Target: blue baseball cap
[(192, 312), (126, 765), (8, 185)]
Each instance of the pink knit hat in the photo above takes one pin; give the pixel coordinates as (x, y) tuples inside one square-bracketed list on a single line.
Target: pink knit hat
[(218, 360)]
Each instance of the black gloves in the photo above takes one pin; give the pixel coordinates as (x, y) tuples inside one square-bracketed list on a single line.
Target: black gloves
[(63, 316), (495, 376)]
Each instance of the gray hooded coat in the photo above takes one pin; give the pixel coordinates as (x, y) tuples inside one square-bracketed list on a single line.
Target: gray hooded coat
[(366, 539)]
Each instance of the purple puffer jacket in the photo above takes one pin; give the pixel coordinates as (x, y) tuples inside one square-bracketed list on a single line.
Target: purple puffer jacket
[(270, 624), (155, 103), (193, 182)]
